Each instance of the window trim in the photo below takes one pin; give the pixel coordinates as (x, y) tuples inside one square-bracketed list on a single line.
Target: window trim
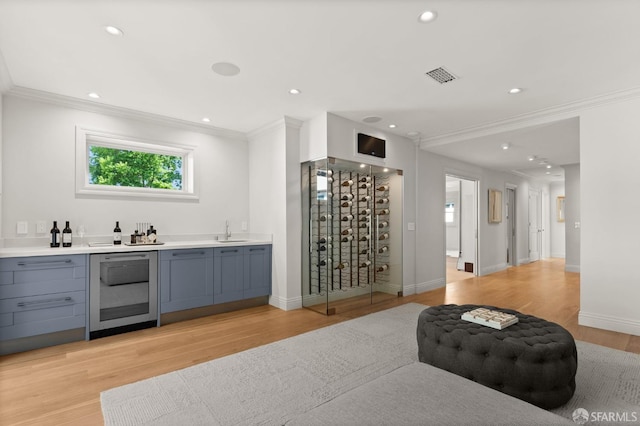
[(88, 137)]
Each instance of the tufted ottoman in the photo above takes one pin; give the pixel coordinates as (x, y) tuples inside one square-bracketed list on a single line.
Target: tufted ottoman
[(533, 360)]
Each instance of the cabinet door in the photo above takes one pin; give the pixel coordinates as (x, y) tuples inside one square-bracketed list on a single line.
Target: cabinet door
[(257, 271), (186, 279), (229, 274)]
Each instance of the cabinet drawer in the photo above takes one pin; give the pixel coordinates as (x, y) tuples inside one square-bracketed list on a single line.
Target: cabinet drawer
[(197, 253), (30, 316), (30, 276)]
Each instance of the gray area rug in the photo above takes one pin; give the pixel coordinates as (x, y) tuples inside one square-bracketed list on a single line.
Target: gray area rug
[(280, 382)]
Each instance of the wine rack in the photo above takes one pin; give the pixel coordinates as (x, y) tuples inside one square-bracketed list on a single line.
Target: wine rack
[(348, 218)]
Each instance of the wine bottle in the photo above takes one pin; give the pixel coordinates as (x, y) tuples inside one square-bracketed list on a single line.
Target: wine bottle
[(322, 263), (322, 248), (324, 240), (365, 185), (342, 265), (384, 236), (383, 211), (364, 251), (348, 231), (365, 179), (364, 225), (347, 238), (347, 203), (383, 268), (325, 217), (365, 238), (347, 197), (66, 236), (383, 200), (383, 224), (365, 198), (383, 249), (347, 218), (347, 183), (365, 219), (117, 234), (383, 188), (365, 264), (365, 211), (55, 235)]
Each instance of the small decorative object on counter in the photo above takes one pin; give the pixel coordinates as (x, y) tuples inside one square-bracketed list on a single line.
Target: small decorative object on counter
[(66, 235), (117, 234), (55, 235), (133, 237), (138, 237)]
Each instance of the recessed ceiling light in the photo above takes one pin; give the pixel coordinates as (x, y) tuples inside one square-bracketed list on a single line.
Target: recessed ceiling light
[(505, 146), (532, 157), (94, 95), (548, 166), (225, 69), (294, 92), (515, 90), (385, 170), (362, 166), (372, 119), (547, 173), (427, 16), (114, 31), (206, 119), (392, 126)]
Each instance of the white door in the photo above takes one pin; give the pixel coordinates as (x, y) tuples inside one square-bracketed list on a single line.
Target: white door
[(534, 225)]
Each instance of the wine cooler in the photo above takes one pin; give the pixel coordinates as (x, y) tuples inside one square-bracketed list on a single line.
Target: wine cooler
[(352, 234)]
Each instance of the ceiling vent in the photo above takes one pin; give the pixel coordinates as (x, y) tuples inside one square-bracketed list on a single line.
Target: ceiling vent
[(441, 75)]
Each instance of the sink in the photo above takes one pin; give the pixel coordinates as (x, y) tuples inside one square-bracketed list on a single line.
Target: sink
[(232, 241)]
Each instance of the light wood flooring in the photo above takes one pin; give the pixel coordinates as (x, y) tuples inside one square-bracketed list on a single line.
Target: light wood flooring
[(61, 385)]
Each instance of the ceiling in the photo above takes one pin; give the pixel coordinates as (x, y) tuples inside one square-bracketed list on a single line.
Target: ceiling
[(354, 58)]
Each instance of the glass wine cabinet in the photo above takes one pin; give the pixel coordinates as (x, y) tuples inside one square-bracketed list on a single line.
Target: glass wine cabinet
[(352, 234)]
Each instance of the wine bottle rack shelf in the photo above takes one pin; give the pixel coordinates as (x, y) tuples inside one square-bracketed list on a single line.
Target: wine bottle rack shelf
[(350, 219)]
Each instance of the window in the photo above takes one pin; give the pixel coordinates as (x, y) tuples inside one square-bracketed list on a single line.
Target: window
[(449, 212), (121, 166)]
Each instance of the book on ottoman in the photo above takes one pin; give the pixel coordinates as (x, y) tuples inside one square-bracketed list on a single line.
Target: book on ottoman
[(489, 318)]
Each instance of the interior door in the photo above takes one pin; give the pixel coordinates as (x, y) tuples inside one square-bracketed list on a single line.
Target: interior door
[(534, 225)]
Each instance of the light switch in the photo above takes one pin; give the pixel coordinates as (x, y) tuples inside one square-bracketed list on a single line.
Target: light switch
[(411, 226), (576, 225), (41, 227), (22, 228)]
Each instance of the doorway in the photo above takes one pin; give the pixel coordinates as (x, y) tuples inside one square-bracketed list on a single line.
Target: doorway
[(461, 224), (512, 259)]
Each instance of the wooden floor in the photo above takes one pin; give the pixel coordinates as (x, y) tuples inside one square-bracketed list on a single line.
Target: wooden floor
[(62, 384)]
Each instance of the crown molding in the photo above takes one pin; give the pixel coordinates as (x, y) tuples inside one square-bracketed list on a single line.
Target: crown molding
[(542, 116), (284, 122), (90, 106)]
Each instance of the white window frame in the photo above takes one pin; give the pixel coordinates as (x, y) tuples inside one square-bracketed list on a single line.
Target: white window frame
[(88, 137)]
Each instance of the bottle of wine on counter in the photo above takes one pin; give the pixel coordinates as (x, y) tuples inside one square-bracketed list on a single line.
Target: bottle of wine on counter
[(117, 234), (66, 236), (55, 235), (383, 188)]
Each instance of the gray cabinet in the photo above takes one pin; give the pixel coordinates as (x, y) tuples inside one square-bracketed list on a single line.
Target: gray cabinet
[(186, 279), (42, 294), (241, 272)]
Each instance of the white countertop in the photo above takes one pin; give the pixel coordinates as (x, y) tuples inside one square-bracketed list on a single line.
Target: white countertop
[(86, 249)]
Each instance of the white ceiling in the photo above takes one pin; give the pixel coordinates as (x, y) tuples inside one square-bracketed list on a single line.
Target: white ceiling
[(354, 58)]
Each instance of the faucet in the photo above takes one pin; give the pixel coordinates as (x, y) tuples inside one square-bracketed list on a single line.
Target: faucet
[(227, 232)]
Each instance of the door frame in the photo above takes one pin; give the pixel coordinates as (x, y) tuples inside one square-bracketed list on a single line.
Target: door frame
[(512, 224), (476, 218)]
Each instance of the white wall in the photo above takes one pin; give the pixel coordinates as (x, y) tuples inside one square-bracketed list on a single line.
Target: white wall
[(609, 205), (453, 229), (400, 154), (275, 205), (572, 217), (556, 229), (39, 170)]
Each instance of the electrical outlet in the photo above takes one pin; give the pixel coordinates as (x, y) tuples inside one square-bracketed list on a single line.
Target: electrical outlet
[(41, 227), (22, 228), (244, 226)]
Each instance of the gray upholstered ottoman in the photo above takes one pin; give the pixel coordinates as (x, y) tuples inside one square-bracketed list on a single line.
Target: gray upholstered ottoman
[(533, 360)]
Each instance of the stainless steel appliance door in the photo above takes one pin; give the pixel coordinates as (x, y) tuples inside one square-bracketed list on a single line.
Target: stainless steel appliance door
[(123, 289)]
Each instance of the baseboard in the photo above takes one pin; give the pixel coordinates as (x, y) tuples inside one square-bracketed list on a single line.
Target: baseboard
[(621, 325), (524, 261), (286, 304), (572, 268), (430, 285), (558, 255), (494, 268), (408, 289)]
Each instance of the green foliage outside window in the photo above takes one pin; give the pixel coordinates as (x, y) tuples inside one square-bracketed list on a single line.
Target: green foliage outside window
[(120, 167)]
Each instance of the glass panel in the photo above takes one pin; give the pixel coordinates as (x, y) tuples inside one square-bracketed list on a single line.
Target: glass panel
[(353, 234), (124, 289)]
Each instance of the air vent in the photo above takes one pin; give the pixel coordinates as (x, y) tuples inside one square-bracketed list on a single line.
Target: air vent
[(441, 75)]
